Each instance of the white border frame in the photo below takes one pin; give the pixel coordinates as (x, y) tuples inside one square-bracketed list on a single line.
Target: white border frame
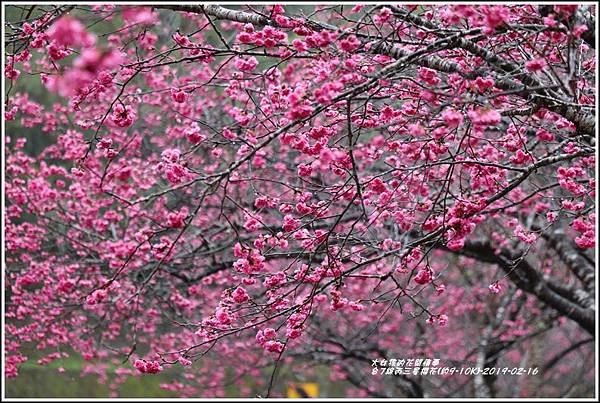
[(4, 4)]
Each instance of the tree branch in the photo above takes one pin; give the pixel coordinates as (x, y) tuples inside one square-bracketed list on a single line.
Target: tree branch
[(527, 278)]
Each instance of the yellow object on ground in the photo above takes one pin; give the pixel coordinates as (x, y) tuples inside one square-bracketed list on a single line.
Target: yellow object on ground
[(308, 390)]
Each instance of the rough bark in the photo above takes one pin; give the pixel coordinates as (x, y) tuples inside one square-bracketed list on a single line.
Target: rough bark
[(527, 278)]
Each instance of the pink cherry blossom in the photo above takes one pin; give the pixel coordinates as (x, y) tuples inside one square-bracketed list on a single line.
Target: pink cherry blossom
[(223, 195), (535, 65), (495, 288)]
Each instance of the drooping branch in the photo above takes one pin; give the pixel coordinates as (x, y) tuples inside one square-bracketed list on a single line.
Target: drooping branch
[(556, 359), (527, 278)]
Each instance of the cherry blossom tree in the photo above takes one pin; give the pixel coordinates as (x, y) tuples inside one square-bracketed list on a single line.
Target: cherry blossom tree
[(229, 190)]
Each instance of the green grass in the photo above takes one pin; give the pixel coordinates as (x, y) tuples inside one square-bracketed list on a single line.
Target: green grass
[(48, 382), (37, 381)]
